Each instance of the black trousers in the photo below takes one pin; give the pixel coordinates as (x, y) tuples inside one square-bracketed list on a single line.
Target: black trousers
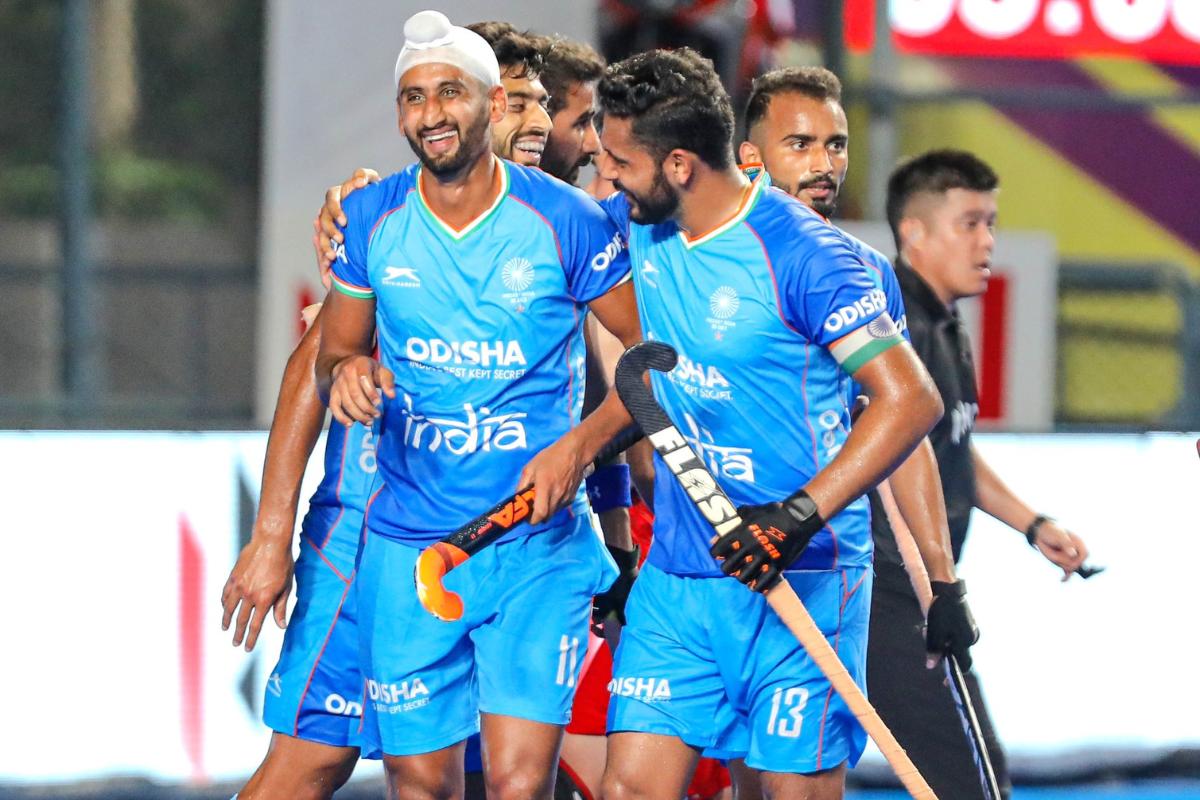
[(917, 704)]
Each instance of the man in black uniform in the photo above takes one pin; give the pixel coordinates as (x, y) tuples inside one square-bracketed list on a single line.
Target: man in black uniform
[(942, 211)]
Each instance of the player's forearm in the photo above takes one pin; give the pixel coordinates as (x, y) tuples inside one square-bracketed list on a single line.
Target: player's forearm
[(601, 426), (640, 458), (615, 526), (993, 497), (347, 329), (299, 415), (917, 490)]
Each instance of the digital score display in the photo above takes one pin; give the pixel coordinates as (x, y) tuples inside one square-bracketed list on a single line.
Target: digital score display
[(1166, 31)]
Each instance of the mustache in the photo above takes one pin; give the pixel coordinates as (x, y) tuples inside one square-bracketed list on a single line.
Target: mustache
[(422, 132), (826, 179)]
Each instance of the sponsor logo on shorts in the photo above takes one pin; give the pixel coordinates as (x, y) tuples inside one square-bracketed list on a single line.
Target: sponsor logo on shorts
[(604, 258), (648, 689), (871, 302), (398, 698), (480, 430), (275, 685), (336, 704)]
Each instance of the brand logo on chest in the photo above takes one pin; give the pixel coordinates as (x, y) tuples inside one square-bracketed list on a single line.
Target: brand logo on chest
[(401, 276)]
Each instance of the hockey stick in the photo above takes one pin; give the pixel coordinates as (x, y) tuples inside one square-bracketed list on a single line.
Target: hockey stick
[(718, 509), (439, 558), (910, 554)]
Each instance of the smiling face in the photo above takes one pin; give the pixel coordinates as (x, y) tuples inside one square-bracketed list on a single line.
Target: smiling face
[(633, 170), (573, 139), (445, 114), (802, 142), (521, 135)]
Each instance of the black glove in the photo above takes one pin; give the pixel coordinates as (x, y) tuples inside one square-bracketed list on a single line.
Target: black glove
[(949, 626), (612, 602), (769, 539)]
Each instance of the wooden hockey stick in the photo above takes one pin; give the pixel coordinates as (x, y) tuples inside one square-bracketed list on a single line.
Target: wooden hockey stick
[(718, 509)]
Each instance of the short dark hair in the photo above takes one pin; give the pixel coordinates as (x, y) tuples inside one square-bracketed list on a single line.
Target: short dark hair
[(567, 62), (817, 83), (676, 100), (520, 53), (935, 172)]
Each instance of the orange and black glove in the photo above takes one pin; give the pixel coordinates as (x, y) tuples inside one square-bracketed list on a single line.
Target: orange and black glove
[(770, 538)]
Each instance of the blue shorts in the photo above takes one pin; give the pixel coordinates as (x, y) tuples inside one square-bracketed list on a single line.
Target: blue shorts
[(315, 691), (707, 660), (517, 651)]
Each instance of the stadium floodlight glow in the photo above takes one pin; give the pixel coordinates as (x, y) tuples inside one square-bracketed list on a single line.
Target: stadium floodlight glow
[(1156, 30)]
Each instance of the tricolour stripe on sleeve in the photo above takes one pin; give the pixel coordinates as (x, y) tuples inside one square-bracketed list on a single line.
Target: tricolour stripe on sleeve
[(864, 343), (361, 292)]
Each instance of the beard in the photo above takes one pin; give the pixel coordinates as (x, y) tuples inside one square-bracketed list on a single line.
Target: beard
[(558, 163), (828, 206), (658, 205), (470, 145)]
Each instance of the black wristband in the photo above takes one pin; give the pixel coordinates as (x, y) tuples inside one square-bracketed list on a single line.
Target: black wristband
[(948, 589), (1031, 531), (627, 560), (804, 509)]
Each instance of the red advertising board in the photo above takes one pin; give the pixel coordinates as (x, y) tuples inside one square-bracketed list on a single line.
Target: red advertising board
[(1158, 30)]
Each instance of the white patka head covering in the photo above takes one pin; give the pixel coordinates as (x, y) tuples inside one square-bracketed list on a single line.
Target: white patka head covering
[(429, 38)]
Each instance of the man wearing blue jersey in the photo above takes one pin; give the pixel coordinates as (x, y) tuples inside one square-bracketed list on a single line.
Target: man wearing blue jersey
[(313, 698), (796, 127), (474, 273), (773, 314)]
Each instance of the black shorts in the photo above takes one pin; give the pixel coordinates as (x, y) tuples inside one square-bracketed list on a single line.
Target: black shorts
[(916, 702)]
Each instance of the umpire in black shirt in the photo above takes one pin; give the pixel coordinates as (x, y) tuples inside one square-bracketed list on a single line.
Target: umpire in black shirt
[(942, 211)]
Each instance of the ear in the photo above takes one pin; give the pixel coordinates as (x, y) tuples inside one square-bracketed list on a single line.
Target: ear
[(748, 154), (498, 103), (680, 167), (912, 233)]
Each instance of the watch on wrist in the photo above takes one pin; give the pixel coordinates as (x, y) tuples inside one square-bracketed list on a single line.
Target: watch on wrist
[(1031, 531)]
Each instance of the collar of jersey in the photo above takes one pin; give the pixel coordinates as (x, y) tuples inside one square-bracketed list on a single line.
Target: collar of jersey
[(466, 230), (756, 189), (920, 292)]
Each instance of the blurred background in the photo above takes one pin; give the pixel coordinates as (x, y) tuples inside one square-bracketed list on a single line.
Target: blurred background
[(161, 161)]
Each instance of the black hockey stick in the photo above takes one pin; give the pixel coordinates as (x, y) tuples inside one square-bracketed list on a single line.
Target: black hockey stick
[(718, 509), (962, 698), (439, 558)]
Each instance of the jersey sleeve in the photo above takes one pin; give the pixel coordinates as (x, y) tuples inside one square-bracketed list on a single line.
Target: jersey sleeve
[(594, 252), (616, 206), (831, 299), (350, 258), (895, 300)]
